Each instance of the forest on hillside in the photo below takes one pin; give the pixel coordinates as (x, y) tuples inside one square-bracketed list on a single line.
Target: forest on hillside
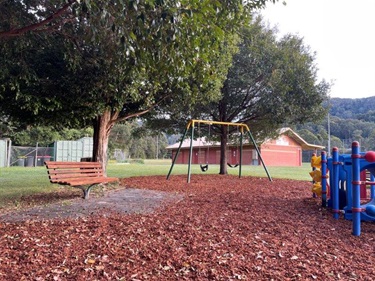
[(348, 120)]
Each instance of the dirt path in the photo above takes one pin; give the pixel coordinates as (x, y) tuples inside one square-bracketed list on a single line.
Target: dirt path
[(129, 200)]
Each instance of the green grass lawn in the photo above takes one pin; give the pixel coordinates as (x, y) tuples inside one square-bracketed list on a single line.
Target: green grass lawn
[(16, 182)]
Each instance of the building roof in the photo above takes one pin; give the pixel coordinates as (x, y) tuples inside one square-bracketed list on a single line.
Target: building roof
[(202, 142), (199, 142), (305, 145)]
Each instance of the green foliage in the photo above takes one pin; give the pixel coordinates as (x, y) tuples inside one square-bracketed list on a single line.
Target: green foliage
[(121, 137), (182, 107), (38, 85), (270, 84), (44, 136), (120, 54), (362, 108), (135, 141), (350, 120), (108, 61), (309, 137), (74, 134), (133, 161), (7, 127)]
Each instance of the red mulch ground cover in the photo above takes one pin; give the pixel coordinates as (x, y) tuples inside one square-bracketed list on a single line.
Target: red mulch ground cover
[(224, 228)]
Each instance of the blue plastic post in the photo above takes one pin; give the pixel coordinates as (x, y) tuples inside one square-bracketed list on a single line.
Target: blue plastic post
[(324, 178), (348, 169), (372, 179), (335, 181), (356, 208)]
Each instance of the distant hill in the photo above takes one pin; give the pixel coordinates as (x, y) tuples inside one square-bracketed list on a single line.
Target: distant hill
[(362, 109), (350, 120)]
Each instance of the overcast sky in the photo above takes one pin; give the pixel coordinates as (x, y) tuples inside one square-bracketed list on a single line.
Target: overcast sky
[(341, 32)]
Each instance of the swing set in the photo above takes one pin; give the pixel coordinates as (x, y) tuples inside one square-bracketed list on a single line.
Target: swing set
[(242, 129)]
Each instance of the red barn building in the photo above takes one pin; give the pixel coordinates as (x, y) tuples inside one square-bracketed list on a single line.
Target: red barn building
[(286, 150)]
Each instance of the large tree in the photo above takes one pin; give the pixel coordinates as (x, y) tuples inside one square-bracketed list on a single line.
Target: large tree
[(272, 83), (110, 61)]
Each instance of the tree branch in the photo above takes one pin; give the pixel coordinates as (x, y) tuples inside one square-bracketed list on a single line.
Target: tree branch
[(33, 27), (142, 112)]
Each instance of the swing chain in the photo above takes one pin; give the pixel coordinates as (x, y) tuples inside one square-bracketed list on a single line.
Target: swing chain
[(236, 152), (204, 168)]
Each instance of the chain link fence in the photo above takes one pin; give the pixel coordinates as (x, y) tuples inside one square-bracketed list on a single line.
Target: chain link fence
[(26, 156)]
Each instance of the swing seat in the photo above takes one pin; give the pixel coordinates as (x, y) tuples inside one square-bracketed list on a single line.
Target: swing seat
[(233, 166), (204, 168)]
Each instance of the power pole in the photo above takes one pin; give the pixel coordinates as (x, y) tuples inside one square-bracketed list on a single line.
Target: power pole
[(157, 146), (329, 137)]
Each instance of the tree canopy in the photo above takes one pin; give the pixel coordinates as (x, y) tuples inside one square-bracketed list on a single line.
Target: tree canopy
[(102, 62), (271, 83)]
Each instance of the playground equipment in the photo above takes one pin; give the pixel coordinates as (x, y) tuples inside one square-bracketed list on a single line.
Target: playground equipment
[(349, 183), (242, 128), (320, 185)]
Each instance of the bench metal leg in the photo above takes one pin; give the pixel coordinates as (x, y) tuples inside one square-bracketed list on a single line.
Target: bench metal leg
[(86, 191)]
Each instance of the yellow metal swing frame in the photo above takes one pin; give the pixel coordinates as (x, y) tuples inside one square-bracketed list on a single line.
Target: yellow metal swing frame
[(242, 127)]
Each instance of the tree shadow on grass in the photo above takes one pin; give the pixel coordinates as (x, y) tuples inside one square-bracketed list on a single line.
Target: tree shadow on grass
[(27, 201)]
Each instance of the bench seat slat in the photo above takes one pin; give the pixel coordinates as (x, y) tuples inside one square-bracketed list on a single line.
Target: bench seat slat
[(73, 177), (76, 182)]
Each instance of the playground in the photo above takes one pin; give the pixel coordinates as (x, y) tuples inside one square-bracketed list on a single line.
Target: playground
[(346, 184), (213, 228)]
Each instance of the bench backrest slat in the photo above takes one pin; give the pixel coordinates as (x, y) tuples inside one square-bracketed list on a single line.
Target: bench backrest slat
[(58, 171), (74, 171), (67, 165)]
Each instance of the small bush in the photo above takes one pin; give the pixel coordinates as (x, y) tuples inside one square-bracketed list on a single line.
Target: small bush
[(132, 161)]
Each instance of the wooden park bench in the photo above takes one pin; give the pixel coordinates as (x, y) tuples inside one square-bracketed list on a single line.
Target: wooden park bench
[(83, 175)]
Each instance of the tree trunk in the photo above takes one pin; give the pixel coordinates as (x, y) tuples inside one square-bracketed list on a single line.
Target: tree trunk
[(223, 150), (102, 128)]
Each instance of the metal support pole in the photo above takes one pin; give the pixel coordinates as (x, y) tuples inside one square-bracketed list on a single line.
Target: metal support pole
[(190, 152), (259, 155), (356, 208), (241, 150), (36, 155), (178, 151), (335, 181), (324, 178), (9, 151)]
